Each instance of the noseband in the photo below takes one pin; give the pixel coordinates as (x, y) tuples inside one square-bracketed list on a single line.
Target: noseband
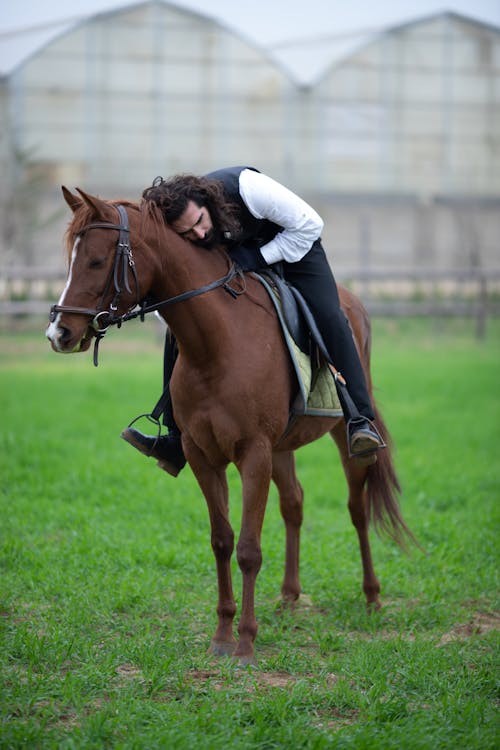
[(119, 277)]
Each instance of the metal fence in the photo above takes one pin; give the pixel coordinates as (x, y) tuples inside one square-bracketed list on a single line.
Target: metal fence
[(472, 293)]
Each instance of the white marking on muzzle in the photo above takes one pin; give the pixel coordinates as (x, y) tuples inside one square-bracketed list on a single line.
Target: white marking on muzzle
[(53, 331)]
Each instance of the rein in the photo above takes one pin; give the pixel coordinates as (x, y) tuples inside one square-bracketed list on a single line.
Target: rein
[(224, 281), (103, 319)]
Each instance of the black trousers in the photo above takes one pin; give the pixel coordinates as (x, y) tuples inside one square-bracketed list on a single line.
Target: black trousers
[(170, 352), (313, 277)]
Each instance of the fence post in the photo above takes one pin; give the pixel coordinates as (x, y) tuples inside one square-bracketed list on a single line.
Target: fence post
[(482, 308), (365, 258)]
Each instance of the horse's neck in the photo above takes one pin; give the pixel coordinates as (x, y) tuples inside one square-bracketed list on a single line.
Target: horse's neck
[(202, 334), (201, 324)]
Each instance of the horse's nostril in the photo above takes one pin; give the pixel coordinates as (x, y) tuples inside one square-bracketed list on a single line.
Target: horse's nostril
[(64, 334)]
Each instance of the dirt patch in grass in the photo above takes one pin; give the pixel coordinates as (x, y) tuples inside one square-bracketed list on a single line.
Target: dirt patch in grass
[(274, 679), (257, 679), (263, 679), (202, 676), (479, 624), (127, 672), (66, 721), (335, 719)]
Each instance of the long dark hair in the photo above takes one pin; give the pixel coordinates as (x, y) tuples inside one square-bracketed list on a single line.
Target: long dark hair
[(173, 195)]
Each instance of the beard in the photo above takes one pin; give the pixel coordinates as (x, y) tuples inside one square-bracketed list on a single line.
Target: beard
[(211, 240)]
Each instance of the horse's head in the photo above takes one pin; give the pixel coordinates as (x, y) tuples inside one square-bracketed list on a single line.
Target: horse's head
[(105, 240), (102, 280)]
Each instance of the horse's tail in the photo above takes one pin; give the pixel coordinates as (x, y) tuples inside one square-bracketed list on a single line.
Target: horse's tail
[(383, 488)]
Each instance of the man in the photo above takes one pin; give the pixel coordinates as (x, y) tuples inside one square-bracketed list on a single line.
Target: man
[(260, 222)]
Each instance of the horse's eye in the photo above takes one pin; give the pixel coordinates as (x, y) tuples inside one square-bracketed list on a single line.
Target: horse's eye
[(96, 263)]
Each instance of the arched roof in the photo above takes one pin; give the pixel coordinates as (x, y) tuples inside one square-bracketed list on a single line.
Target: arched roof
[(49, 37), (380, 36)]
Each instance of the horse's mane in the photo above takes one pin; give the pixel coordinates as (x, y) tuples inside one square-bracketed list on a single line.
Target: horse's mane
[(151, 220)]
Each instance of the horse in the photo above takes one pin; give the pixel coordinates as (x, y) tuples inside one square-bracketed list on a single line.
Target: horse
[(231, 388)]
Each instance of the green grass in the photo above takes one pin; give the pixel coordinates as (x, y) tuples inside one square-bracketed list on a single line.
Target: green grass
[(108, 584)]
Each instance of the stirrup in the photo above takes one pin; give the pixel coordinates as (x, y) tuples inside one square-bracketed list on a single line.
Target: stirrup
[(352, 422), (154, 420)]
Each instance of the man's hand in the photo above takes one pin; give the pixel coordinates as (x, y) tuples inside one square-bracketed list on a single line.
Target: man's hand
[(248, 258)]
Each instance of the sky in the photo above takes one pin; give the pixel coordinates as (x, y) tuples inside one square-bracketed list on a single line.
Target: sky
[(303, 35)]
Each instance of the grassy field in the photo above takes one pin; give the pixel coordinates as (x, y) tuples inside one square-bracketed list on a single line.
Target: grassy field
[(108, 586)]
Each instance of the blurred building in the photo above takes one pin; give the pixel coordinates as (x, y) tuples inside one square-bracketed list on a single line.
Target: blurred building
[(398, 145)]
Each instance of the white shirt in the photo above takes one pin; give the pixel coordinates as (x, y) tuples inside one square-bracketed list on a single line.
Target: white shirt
[(267, 199)]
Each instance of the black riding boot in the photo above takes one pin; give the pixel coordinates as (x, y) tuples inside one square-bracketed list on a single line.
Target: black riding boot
[(313, 278), (166, 449)]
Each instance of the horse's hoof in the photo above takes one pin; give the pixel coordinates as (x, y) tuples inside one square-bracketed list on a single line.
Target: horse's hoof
[(245, 661), (372, 607), (222, 648)]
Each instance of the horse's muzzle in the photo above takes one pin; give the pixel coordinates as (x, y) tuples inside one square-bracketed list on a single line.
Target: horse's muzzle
[(63, 341)]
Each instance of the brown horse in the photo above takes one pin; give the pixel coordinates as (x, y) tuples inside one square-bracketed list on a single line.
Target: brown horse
[(232, 387)]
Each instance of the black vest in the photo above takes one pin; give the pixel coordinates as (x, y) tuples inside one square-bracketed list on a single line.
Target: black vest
[(255, 232)]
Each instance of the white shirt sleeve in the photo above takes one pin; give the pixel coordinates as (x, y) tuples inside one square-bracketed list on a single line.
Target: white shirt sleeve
[(267, 199)]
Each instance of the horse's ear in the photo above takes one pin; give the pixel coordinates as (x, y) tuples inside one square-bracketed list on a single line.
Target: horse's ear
[(73, 201), (98, 206)]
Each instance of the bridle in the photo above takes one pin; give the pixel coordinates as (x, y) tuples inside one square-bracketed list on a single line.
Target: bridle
[(119, 277), (123, 264)]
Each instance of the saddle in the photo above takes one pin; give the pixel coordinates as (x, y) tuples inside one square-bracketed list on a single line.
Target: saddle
[(318, 389), (298, 317)]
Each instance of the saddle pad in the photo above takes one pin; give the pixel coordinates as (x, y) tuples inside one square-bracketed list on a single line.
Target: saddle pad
[(319, 399)]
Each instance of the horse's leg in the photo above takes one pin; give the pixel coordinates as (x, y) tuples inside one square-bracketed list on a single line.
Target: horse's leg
[(356, 475), (213, 484), (255, 471), (291, 497)]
